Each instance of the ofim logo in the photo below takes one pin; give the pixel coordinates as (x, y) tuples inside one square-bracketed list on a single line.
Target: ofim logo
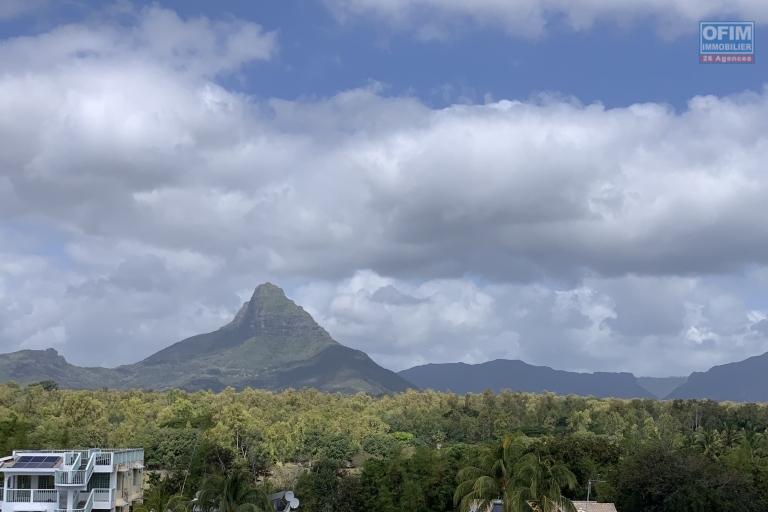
[(727, 42)]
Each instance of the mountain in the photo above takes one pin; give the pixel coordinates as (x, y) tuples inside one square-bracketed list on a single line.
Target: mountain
[(660, 387), (743, 381), (29, 366), (520, 376), (271, 343)]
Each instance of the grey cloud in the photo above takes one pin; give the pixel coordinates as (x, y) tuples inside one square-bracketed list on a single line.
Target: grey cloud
[(390, 295), (648, 307)]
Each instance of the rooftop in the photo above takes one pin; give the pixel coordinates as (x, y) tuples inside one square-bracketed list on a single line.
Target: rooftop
[(593, 506)]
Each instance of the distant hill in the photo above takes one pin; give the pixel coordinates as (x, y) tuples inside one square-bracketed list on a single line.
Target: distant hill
[(520, 376), (661, 387), (31, 366), (272, 343), (743, 381)]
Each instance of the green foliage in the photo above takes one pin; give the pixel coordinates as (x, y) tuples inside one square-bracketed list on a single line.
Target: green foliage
[(658, 479), (48, 385), (231, 492), (319, 488), (404, 451)]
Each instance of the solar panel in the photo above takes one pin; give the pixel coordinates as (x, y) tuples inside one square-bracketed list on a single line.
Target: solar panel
[(30, 462)]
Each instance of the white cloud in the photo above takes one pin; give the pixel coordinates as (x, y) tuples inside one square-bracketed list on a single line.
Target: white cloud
[(141, 199), (601, 324), (438, 19), (197, 46)]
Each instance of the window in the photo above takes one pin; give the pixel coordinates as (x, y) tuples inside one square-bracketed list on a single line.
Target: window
[(23, 482), (45, 482)]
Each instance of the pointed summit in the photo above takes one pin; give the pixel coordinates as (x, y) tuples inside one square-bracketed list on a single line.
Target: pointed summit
[(266, 298), (268, 290), (270, 312), (270, 327)]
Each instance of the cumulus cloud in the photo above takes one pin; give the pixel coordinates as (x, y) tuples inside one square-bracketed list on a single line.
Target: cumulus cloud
[(600, 324), (437, 19), (142, 200), (197, 46)]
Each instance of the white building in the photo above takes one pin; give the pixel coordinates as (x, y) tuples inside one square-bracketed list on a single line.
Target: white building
[(71, 480)]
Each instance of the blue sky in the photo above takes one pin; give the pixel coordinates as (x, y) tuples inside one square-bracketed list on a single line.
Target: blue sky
[(558, 182), (615, 63)]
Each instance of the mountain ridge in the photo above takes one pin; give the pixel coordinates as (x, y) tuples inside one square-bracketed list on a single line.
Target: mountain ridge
[(516, 375), (739, 381), (271, 343)]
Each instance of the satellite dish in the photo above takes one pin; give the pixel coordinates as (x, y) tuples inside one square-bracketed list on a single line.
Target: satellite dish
[(288, 495), (294, 503)]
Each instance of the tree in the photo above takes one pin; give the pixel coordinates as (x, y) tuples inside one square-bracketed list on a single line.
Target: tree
[(538, 485), (657, 479), (156, 500), (524, 481), (318, 488), (232, 492), (48, 385), (492, 479)]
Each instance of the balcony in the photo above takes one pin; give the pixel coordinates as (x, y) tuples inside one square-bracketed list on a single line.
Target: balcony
[(30, 496), (76, 477), (82, 506), (103, 498), (127, 456)]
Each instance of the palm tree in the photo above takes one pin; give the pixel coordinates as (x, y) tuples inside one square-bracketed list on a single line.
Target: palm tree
[(492, 480), (233, 492), (709, 443), (156, 500), (538, 487), (525, 482)]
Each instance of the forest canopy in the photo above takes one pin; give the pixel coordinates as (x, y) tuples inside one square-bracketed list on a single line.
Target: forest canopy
[(404, 451)]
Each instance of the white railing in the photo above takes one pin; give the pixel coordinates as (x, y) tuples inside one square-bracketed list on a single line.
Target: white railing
[(106, 455), (104, 495), (72, 459), (127, 456), (104, 459), (87, 507), (31, 495), (76, 476), (89, 467), (45, 495), (18, 495)]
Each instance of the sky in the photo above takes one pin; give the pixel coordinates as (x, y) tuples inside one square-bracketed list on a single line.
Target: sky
[(433, 180)]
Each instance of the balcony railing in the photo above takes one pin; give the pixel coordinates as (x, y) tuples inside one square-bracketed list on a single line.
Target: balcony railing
[(104, 495), (104, 459), (31, 495), (105, 456), (127, 456), (76, 476), (87, 506)]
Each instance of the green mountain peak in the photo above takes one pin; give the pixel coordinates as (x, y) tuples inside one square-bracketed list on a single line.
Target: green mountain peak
[(271, 343)]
